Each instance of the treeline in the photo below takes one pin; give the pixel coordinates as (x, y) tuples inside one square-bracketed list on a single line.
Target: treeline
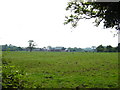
[(100, 48), (11, 48), (108, 48)]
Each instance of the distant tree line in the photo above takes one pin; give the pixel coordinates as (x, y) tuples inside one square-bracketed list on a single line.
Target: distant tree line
[(100, 48), (11, 48), (75, 49), (108, 48)]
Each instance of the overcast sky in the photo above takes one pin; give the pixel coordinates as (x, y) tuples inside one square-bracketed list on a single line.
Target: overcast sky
[(42, 21)]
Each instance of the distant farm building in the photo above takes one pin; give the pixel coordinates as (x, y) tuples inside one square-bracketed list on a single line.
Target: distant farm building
[(55, 49)]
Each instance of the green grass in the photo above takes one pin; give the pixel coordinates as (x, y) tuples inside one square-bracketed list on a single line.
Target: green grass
[(67, 69)]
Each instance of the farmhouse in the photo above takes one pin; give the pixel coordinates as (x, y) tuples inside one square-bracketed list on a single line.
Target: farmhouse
[(56, 49), (36, 49)]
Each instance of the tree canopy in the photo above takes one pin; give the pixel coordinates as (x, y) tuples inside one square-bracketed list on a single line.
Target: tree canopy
[(108, 12), (31, 45)]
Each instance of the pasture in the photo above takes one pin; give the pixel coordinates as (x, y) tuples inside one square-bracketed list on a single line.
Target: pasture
[(67, 69)]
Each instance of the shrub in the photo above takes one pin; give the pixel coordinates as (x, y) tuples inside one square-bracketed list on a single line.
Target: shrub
[(12, 77)]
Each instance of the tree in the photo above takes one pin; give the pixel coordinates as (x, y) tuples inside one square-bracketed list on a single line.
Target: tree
[(108, 12), (100, 48), (115, 49), (4, 47), (118, 47), (31, 45), (19, 48), (109, 48), (93, 47)]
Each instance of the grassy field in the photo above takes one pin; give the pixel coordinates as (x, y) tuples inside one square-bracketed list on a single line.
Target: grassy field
[(67, 69)]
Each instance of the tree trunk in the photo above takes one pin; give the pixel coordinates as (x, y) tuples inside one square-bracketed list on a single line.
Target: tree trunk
[(119, 39)]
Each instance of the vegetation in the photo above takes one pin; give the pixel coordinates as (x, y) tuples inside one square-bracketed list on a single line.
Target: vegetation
[(66, 69), (61, 69), (31, 45), (11, 48), (100, 48), (108, 12), (108, 48), (12, 77)]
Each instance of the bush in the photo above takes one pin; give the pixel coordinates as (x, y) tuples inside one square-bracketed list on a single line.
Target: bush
[(12, 77)]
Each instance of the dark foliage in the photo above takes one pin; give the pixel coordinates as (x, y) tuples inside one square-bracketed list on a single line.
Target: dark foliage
[(12, 77), (108, 48), (31, 45), (11, 48), (108, 12)]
